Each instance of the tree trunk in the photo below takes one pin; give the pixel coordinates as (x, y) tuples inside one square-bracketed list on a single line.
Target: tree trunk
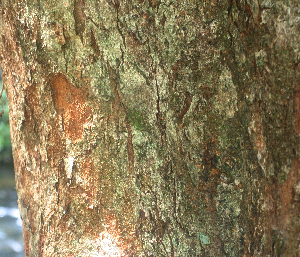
[(155, 128)]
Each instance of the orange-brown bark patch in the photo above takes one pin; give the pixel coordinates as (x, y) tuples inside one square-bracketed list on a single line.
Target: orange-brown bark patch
[(26, 236), (87, 170), (88, 182), (70, 104)]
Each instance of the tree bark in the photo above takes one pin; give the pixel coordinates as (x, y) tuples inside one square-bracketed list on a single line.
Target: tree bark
[(155, 128)]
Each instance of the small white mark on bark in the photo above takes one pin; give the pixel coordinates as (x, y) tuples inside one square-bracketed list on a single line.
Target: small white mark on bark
[(69, 166)]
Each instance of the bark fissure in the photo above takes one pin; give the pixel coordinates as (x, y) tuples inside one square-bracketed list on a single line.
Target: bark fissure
[(119, 103), (186, 106)]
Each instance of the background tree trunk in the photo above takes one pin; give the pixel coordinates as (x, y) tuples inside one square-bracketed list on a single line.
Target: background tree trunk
[(165, 128)]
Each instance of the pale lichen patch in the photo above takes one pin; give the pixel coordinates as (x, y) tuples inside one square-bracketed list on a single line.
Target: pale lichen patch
[(226, 99)]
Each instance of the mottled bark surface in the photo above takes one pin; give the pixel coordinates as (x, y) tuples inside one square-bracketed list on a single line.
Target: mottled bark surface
[(167, 128)]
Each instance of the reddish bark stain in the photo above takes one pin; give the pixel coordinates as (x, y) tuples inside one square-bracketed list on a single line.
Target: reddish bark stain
[(56, 146), (287, 191), (70, 104), (297, 112), (130, 149), (89, 177)]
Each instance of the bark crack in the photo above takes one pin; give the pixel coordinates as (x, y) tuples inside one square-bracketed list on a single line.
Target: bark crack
[(115, 85), (160, 120), (186, 106)]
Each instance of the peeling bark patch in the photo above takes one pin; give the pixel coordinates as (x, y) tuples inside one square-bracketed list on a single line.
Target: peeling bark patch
[(71, 106)]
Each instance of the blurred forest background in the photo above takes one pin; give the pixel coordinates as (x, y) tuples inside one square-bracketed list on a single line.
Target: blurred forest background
[(5, 144)]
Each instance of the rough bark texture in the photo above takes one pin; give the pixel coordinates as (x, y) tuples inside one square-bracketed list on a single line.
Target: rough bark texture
[(167, 128)]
